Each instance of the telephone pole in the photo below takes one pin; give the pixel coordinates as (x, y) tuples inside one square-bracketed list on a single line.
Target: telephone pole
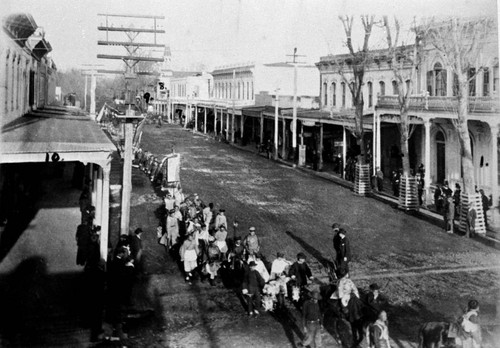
[(294, 119), (130, 120)]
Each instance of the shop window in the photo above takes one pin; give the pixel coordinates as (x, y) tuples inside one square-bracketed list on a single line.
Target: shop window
[(343, 94), (334, 94), (394, 88), (486, 82), (471, 76), (370, 94), (382, 87), (325, 94)]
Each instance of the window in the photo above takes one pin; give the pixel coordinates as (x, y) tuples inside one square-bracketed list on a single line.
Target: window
[(437, 81), (248, 90), (252, 91), (486, 82), (325, 94), (370, 94), (456, 86), (230, 91), (407, 84), (239, 90), (243, 95), (440, 77), (334, 94), (343, 94), (382, 87), (495, 83), (472, 81), (394, 88)]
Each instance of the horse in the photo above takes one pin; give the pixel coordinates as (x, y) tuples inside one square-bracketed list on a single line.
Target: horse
[(435, 334)]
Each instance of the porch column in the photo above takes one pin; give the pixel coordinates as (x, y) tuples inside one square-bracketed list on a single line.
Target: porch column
[(3, 80), (221, 121), (195, 129), (98, 205), (253, 129), (10, 62), (93, 182), (427, 165), (320, 150), (127, 179), (242, 125), (344, 150), (105, 212), (227, 126), (379, 143), (15, 86), (495, 214), (261, 134), (284, 142), (374, 142), (205, 121), (215, 121), (232, 128)]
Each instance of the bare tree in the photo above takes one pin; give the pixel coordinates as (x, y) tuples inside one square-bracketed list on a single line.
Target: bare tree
[(356, 63), (459, 44), (402, 59)]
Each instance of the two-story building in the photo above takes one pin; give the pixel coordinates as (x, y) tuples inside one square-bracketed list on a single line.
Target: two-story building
[(434, 141)]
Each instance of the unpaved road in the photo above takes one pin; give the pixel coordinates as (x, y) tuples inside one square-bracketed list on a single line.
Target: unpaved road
[(426, 274)]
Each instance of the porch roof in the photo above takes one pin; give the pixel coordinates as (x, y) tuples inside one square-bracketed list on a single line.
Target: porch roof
[(70, 133)]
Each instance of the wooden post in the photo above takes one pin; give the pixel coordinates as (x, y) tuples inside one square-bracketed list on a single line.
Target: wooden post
[(105, 213), (320, 150), (427, 175), (127, 178), (205, 121)]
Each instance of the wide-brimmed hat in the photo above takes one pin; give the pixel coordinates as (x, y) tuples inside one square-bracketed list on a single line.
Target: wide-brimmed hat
[(374, 286), (252, 264), (336, 226), (251, 228)]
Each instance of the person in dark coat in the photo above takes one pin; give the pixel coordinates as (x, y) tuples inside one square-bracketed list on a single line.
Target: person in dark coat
[(300, 271), (136, 249), (83, 234), (312, 321), (486, 206), (375, 303), (343, 251), (95, 279), (438, 198), (120, 280), (252, 286)]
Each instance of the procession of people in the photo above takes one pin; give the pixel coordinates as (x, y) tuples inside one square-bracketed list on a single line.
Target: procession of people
[(195, 235)]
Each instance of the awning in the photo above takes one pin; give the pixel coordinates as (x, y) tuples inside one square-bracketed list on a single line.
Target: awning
[(41, 134)]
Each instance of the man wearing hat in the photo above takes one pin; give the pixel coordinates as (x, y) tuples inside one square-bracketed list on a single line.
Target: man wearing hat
[(375, 302), (312, 321), (251, 242), (336, 238), (252, 285), (343, 251)]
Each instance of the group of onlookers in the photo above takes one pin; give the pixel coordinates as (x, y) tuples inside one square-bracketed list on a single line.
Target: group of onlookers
[(107, 289)]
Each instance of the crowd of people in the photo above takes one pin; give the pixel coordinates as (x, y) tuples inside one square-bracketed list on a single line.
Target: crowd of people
[(195, 235)]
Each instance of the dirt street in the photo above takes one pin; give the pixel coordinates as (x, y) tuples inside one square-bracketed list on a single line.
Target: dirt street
[(426, 274)]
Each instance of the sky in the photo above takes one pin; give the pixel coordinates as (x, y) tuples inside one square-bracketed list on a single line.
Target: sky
[(214, 33)]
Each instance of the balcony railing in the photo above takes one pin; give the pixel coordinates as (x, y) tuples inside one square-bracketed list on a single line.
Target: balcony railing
[(486, 105)]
